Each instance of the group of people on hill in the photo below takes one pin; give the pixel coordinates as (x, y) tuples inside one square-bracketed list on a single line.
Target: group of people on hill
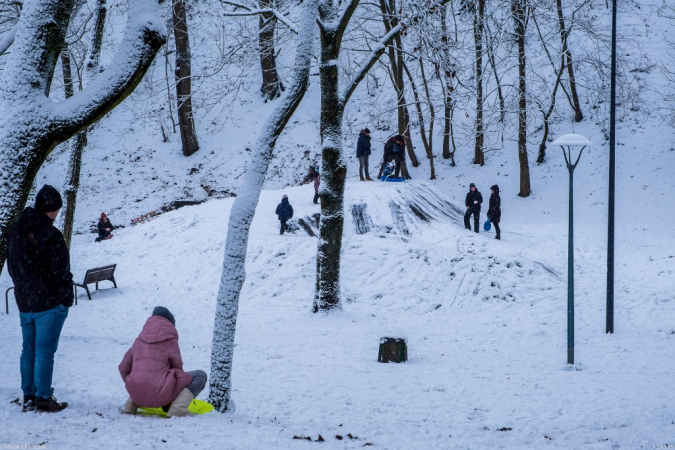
[(38, 261), (473, 201), (394, 150)]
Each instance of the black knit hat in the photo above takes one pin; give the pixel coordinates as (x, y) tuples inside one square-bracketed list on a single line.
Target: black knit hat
[(495, 188), (48, 199), (164, 312), (472, 185), (366, 130)]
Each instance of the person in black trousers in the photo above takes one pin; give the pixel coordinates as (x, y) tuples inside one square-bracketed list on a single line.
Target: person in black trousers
[(284, 213), (495, 210), (472, 203)]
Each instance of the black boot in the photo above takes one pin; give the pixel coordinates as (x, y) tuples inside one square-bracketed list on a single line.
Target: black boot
[(49, 404), (28, 403)]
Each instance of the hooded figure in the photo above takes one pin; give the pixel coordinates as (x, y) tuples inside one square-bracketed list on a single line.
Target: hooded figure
[(495, 210), (152, 369), (363, 152), (284, 213), (472, 203)]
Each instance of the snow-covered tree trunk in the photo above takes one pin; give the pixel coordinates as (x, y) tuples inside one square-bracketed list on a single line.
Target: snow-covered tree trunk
[(272, 87), (31, 125), (243, 210), (478, 155), (518, 9), (72, 184), (186, 122)]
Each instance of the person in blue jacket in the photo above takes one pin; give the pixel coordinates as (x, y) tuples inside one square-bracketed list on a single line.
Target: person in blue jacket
[(284, 213)]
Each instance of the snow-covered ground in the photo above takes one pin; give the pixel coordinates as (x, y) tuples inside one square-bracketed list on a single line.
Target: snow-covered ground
[(485, 322)]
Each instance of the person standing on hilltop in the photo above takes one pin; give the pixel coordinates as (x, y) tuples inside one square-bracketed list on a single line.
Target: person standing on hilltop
[(495, 210), (363, 153), (472, 203)]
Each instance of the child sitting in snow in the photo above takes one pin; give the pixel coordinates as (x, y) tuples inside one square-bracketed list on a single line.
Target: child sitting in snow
[(152, 369)]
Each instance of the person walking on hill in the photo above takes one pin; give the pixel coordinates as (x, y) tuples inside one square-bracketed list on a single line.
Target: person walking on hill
[(363, 152), (472, 203), (104, 228), (38, 261), (284, 213), (152, 369), (495, 209)]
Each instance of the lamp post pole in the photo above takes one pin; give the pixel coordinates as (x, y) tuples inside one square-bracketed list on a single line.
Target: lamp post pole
[(610, 212)]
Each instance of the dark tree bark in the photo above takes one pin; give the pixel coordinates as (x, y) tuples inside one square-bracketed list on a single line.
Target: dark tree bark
[(25, 83), (447, 73), (272, 87), (518, 9), (478, 155), (72, 185), (418, 105), (186, 123), (567, 57)]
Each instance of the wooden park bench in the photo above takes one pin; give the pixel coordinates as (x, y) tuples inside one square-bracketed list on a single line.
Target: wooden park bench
[(106, 273)]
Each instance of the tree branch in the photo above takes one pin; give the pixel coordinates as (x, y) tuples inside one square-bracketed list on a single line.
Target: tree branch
[(344, 19), (375, 54), (143, 38), (254, 12), (8, 40)]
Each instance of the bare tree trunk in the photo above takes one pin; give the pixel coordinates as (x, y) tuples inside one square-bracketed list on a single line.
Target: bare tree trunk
[(567, 57), (234, 262), (491, 58), (418, 105), (31, 126), (518, 10), (186, 123), (447, 74), (272, 87), (478, 155), (72, 185)]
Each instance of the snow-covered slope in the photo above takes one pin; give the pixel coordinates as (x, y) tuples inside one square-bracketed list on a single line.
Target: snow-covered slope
[(485, 322)]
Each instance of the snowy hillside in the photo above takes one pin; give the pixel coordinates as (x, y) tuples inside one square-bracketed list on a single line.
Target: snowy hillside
[(485, 322)]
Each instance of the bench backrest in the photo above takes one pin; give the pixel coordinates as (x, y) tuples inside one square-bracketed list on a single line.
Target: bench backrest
[(99, 274)]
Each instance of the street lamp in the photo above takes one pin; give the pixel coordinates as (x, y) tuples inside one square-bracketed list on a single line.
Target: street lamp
[(567, 142)]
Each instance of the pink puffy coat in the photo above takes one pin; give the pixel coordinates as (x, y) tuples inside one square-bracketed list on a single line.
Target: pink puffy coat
[(152, 369)]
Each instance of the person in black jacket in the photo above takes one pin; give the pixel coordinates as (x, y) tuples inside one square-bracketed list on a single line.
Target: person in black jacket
[(284, 213), (363, 152), (394, 150), (104, 228), (495, 210), (39, 263), (472, 203)]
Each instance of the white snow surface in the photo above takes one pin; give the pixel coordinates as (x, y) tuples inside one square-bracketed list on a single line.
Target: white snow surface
[(485, 323), (485, 320)]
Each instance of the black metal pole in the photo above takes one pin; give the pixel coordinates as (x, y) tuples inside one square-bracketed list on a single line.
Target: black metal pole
[(610, 212), (570, 271)]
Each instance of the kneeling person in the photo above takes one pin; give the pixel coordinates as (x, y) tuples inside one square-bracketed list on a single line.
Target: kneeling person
[(152, 369)]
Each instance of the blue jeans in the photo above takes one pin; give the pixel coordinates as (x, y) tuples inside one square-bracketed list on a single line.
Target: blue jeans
[(41, 332)]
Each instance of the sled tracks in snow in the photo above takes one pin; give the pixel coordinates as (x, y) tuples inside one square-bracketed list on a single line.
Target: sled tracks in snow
[(409, 205)]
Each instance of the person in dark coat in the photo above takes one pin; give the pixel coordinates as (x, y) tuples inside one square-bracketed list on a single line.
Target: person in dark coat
[(313, 176), (39, 263), (104, 228), (363, 152), (394, 150), (284, 213), (495, 210), (472, 203)]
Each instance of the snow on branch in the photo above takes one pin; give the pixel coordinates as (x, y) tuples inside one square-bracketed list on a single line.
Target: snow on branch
[(375, 54), (256, 11), (144, 36), (8, 40)]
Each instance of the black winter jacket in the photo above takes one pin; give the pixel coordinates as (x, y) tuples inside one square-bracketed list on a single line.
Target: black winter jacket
[(363, 145), (473, 196), (102, 232), (284, 210), (495, 209), (39, 263)]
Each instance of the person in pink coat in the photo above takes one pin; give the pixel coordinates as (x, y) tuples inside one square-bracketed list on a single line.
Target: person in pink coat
[(152, 369)]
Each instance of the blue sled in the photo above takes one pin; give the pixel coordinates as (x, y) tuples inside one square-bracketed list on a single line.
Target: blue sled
[(391, 179)]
